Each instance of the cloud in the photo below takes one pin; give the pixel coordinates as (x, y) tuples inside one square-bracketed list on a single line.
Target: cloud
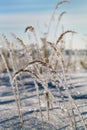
[(18, 22), (22, 20), (27, 18)]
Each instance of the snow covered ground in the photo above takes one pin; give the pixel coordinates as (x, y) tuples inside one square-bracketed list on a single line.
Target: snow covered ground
[(9, 119)]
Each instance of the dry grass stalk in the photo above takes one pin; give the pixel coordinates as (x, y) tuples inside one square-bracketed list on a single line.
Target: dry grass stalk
[(60, 3), (61, 15), (44, 49), (30, 28), (53, 14), (72, 102), (61, 36), (66, 86), (15, 88), (46, 93), (34, 75), (20, 41), (39, 101), (58, 22), (17, 99), (58, 52)]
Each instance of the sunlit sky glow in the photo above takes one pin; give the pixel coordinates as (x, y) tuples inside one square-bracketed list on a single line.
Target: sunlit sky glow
[(16, 15)]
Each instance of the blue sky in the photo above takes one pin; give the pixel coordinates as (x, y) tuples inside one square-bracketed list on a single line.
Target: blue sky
[(16, 15)]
